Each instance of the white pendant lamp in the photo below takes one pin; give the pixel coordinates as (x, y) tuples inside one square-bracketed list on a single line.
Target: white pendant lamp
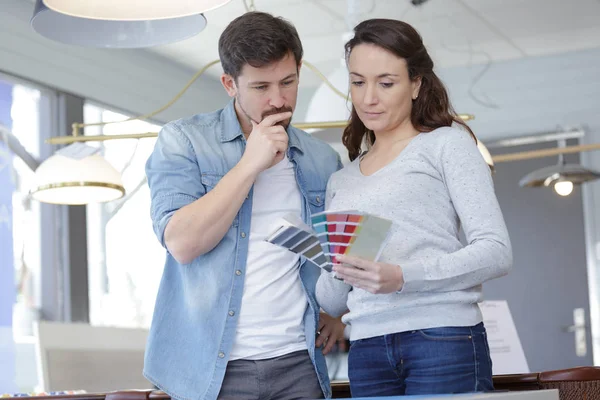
[(88, 32), (66, 180), (133, 10)]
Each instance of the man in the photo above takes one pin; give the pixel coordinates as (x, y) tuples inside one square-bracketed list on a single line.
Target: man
[(236, 317)]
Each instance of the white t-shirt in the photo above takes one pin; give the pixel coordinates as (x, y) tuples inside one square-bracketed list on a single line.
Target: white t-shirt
[(273, 304)]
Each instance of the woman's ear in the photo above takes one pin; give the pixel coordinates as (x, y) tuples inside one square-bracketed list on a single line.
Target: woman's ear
[(416, 84)]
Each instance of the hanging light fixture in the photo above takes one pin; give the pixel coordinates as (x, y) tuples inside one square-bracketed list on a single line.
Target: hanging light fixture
[(127, 10), (561, 176), (66, 180), (89, 32)]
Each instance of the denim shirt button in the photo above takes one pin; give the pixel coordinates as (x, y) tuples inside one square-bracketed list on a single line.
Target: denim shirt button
[(243, 234), (318, 199), (238, 272), (231, 313), (221, 354)]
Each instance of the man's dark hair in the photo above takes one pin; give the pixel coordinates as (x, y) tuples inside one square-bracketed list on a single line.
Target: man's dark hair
[(257, 39)]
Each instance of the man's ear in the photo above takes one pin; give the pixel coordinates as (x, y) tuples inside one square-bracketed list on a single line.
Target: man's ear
[(299, 68), (229, 84)]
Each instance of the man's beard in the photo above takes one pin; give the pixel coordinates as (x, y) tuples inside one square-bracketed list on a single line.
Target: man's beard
[(284, 123), (279, 110)]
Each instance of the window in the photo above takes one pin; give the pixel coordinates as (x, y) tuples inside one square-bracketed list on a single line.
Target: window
[(28, 235), (19, 215), (125, 259)]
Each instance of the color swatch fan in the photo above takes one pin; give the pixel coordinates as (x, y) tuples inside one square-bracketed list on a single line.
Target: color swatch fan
[(333, 233)]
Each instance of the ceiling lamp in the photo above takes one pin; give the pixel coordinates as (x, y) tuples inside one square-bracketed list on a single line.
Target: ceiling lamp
[(65, 180), (89, 32), (127, 10), (561, 176)]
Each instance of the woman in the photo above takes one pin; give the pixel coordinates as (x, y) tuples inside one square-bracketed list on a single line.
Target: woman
[(416, 327)]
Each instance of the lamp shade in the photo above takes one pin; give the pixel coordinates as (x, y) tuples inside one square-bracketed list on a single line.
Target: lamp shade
[(326, 105), (485, 153), (547, 176), (65, 180), (129, 10), (113, 34)]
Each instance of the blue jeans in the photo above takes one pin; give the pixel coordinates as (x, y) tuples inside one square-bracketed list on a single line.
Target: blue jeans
[(427, 361)]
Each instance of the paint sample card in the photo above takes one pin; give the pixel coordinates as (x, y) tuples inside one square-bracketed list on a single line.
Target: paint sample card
[(373, 235), (299, 238), (333, 233)]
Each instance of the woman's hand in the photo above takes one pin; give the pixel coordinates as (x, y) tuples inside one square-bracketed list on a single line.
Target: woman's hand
[(374, 277)]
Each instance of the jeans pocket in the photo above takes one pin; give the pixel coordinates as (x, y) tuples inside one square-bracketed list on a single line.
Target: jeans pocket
[(446, 333)]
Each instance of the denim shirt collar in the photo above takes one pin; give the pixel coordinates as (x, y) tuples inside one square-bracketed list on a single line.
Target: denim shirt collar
[(233, 130)]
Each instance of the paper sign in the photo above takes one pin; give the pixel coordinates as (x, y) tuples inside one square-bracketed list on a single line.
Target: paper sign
[(505, 346)]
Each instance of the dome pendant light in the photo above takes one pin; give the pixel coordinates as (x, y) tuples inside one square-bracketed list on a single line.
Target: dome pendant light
[(83, 179), (100, 33), (129, 10), (561, 176)]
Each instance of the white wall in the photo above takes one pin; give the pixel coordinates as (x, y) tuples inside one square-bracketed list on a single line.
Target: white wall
[(131, 80)]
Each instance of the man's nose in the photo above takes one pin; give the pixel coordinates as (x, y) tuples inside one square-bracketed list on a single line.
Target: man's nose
[(276, 100)]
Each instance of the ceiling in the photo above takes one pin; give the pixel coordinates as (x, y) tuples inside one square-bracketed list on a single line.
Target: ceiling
[(456, 32)]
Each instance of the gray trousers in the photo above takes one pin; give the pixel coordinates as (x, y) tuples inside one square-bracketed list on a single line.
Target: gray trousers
[(289, 377)]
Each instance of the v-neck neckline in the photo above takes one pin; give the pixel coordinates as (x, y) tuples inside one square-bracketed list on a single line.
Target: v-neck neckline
[(393, 161)]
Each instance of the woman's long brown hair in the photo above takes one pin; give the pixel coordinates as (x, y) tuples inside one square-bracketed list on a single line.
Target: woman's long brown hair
[(431, 109)]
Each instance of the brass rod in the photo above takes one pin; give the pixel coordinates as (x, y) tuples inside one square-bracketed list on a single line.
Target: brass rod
[(325, 80), (526, 155), (98, 138), (101, 138), (498, 158), (76, 137), (321, 125)]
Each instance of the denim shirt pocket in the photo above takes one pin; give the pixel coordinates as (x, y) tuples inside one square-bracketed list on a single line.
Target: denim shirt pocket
[(209, 181), (316, 200)]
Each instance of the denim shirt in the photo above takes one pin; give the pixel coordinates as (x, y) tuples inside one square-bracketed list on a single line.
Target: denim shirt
[(197, 306)]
